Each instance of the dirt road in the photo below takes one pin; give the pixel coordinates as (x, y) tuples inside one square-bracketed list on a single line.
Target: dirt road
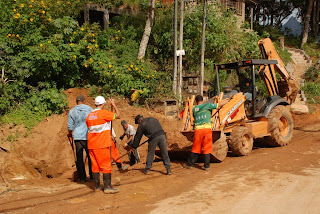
[(269, 180), (282, 180)]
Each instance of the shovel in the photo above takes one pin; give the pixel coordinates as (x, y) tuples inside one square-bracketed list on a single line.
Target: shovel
[(131, 150), (75, 174)]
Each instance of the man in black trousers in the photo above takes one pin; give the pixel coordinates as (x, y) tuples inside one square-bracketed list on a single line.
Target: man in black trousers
[(78, 130), (151, 128)]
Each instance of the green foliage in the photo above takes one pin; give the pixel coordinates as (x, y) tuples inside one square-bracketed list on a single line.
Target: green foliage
[(312, 74), (312, 50), (43, 48), (312, 91), (224, 42), (12, 137), (38, 106), (270, 31), (161, 39), (284, 54)]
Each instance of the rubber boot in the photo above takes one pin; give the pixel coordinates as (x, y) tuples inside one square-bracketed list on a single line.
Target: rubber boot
[(96, 178), (108, 189), (192, 160), (207, 162), (122, 167)]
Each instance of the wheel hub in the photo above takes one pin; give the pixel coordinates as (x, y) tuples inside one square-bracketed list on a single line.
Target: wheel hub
[(245, 142), (283, 126)]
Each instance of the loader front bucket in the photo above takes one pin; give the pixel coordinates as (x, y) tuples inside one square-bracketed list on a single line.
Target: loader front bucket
[(219, 145)]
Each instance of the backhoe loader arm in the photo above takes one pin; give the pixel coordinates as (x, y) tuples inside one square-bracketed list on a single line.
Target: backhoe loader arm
[(287, 87), (268, 51)]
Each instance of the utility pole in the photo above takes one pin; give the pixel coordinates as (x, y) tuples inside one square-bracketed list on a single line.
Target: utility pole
[(175, 29), (203, 39), (180, 48)]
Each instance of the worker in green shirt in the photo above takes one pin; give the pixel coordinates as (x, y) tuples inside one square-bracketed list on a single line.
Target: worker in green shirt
[(202, 139)]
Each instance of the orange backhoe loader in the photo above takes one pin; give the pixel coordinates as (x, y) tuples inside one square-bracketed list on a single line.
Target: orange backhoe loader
[(247, 117)]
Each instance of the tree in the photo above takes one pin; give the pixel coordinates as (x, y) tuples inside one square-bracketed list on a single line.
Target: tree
[(315, 19), (147, 29), (306, 21), (273, 12)]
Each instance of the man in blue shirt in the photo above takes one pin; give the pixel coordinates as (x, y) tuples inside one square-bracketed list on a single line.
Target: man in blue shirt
[(77, 128)]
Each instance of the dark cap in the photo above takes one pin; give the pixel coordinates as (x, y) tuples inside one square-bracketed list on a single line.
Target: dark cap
[(80, 98), (137, 118)]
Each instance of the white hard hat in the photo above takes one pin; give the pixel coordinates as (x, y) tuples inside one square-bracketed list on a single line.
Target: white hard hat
[(99, 100)]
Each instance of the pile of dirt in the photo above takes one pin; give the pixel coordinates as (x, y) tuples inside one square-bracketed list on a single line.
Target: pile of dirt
[(307, 119), (46, 152)]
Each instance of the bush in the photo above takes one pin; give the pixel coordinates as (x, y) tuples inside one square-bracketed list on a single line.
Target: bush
[(38, 106), (42, 48)]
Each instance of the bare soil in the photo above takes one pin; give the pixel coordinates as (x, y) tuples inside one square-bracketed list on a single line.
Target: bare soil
[(38, 170)]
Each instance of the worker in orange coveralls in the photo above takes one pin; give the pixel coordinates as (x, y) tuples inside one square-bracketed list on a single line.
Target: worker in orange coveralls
[(202, 139), (100, 142)]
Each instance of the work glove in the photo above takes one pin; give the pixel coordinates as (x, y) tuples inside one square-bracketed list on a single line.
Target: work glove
[(128, 147)]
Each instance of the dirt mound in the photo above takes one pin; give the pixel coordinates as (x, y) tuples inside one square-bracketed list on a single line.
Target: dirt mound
[(46, 151), (307, 119)]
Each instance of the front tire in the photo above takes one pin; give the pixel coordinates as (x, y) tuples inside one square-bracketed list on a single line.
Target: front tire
[(241, 141), (280, 126)]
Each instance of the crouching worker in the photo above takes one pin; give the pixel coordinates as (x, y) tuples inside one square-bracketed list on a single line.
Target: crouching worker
[(151, 128), (130, 132), (202, 139), (100, 142)]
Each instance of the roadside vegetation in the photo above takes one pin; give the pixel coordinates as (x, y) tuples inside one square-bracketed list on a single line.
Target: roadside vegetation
[(312, 75), (45, 49)]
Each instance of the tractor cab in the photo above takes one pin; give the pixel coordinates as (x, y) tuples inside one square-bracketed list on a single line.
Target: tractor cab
[(256, 104)]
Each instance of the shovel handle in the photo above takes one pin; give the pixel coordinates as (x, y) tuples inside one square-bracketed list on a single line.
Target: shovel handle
[(130, 151), (72, 146)]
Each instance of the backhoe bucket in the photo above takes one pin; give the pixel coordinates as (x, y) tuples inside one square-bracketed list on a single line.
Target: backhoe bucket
[(220, 146)]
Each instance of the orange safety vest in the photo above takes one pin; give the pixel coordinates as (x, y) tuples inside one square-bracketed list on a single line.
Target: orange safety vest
[(99, 125)]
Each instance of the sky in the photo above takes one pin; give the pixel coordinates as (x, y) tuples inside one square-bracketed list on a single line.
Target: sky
[(294, 14)]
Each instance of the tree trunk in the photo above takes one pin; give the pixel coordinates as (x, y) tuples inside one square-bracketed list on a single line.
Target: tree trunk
[(316, 27), (175, 30), (314, 17), (180, 48), (86, 13), (257, 14), (306, 22), (147, 29), (203, 39)]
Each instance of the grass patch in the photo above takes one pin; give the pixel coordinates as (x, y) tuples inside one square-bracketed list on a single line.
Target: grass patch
[(312, 91), (23, 116), (312, 50)]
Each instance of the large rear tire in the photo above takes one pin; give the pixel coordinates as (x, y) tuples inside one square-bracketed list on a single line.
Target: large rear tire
[(241, 141), (280, 126), (220, 149)]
